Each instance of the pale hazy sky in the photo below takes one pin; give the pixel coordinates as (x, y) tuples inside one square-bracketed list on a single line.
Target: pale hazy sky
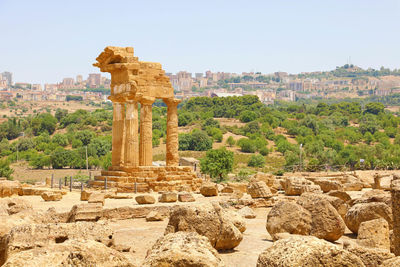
[(44, 41)]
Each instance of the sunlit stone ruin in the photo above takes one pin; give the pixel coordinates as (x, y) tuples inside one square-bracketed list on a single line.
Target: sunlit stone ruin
[(135, 85)]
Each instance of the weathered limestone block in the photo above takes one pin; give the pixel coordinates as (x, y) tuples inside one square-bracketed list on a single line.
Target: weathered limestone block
[(206, 219), (97, 197), (294, 185), (336, 202), (186, 197), (326, 221), (85, 194), (86, 212), (288, 217), (306, 251), (209, 190), (365, 212), (258, 190), (183, 249), (154, 216), (168, 197), (374, 233), (145, 199), (10, 188), (267, 178), (51, 196), (328, 184)]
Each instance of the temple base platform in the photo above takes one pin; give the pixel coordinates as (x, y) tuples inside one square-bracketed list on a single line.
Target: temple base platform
[(145, 178)]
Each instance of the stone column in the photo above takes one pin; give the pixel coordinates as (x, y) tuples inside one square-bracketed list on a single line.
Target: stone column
[(117, 134), (172, 132), (146, 132), (395, 192), (131, 135)]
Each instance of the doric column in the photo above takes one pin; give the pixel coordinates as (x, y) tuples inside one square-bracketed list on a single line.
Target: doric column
[(118, 134), (146, 132), (131, 135), (172, 132)]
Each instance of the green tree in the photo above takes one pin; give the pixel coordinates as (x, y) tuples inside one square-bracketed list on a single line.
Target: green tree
[(256, 161), (230, 141), (5, 169), (374, 108), (217, 163)]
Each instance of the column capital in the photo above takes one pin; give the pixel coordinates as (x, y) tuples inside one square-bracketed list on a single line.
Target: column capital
[(172, 101), (146, 101)]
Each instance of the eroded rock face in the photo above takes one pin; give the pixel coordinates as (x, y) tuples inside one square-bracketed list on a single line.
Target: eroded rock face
[(168, 197), (209, 190), (393, 262), (10, 206), (10, 188), (288, 217), (336, 202), (70, 253), (258, 190), (374, 233), (326, 221), (206, 219), (306, 251), (365, 212), (183, 249)]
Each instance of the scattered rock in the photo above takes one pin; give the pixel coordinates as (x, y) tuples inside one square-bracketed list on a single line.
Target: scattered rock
[(97, 197), (227, 190), (354, 186), (209, 190), (328, 184), (288, 217), (326, 221), (365, 212), (85, 194), (154, 216), (86, 212), (70, 253), (267, 178), (374, 233), (145, 199), (258, 190), (294, 185), (51, 196), (235, 218), (186, 197), (168, 197), (183, 249), (336, 202), (247, 213), (306, 251), (206, 219)]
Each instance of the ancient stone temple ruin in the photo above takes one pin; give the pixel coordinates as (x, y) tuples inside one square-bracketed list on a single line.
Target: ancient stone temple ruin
[(135, 83)]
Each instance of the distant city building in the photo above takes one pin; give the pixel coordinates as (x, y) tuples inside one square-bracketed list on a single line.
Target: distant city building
[(94, 80), (37, 87), (7, 76), (68, 82), (79, 79)]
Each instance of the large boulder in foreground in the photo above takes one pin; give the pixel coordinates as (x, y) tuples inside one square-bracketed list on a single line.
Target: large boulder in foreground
[(306, 251), (207, 219), (340, 205), (326, 221), (183, 249), (70, 253), (363, 212), (209, 189), (328, 184), (288, 217)]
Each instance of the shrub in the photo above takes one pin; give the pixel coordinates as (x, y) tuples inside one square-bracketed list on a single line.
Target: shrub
[(256, 161)]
